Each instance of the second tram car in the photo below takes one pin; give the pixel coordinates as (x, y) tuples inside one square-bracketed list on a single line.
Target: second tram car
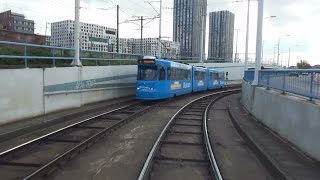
[(216, 79)]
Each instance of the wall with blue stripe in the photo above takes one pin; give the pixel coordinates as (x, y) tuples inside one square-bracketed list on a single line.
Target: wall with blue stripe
[(28, 93)]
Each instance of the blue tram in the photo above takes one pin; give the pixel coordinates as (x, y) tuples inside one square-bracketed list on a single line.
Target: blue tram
[(160, 79), (216, 79)]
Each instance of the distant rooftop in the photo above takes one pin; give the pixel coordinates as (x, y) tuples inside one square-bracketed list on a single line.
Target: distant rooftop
[(17, 14)]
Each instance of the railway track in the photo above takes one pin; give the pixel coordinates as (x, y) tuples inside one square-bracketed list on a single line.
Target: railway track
[(183, 149), (36, 158)]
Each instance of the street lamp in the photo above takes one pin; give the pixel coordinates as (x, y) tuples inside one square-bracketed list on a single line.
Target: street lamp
[(247, 31), (289, 54), (279, 48), (236, 57), (269, 17)]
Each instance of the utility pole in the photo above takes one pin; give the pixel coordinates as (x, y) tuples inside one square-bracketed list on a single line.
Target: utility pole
[(258, 42), (202, 37), (262, 51), (278, 55), (117, 28), (160, 25), (236, 55), (160, 18), (76, 61), (274, 55), (141, 19), (289, 58), (247, 39), (141, 35), (45, 34)]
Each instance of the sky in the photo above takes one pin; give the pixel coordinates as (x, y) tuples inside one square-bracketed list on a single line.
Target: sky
[(297, 18)]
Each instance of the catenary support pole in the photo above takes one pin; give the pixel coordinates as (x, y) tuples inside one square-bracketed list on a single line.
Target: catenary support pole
[(141, 36), (117, 28), (247, 39), (258, 43), (76, 61)]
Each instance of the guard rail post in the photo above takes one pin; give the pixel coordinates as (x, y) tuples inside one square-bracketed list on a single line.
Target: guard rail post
[(268, 80), (53, 60), (25, 57), (311, 85), (284, 83)]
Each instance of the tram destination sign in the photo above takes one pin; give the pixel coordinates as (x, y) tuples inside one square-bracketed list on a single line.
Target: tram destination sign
[(146, 61)]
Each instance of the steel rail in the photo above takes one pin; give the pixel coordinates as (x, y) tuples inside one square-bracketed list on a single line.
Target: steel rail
[(145, 171), (59, 130), (67, 155), (78, 148), (213, 162)]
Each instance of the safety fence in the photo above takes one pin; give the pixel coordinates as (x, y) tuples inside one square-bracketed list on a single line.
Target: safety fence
[(26, 55), (301, 82)]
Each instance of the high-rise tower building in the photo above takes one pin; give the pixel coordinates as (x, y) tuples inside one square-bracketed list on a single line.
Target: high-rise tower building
[(189, 24), (221, 32)]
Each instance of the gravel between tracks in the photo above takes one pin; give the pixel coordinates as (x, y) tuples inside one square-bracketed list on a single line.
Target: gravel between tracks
[(122, 154)]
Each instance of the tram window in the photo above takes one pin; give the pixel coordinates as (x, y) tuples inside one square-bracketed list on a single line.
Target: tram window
[(147, 73), (221, 75), (186, 74), (162, 74), (171, 73), (200, 75), (178, 74), (214, 75), (196, 75)]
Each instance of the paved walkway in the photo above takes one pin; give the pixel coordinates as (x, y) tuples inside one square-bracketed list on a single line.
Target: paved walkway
[(234, 158), (291, 163)]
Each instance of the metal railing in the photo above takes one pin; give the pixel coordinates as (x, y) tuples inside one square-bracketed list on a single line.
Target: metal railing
[(248, 76), (27, 55), (301, 82), (14, 52)]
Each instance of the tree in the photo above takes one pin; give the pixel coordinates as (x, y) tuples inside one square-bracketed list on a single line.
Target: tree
[(303, 64)]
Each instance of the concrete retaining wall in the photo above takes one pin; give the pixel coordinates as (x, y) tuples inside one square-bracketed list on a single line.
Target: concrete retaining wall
[(293, 118), (21, 94), (28, 93)]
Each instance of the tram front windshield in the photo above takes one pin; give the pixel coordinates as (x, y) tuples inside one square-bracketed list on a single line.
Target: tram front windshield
[(147, 73)]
